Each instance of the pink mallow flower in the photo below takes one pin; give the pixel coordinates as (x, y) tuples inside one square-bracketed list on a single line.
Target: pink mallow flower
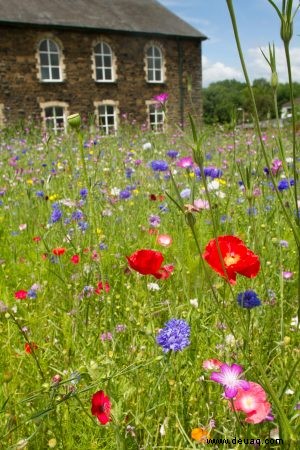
[(253, 402), (229, 378), (185, 162)]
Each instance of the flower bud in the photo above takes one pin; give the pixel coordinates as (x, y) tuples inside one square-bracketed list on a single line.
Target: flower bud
[(74, 120), (274, 80)]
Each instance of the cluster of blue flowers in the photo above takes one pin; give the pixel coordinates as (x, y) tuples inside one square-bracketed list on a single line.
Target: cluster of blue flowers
[(248, 299), (174, 336), (159, 165)]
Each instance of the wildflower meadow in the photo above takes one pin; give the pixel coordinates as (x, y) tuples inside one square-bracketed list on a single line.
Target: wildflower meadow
[(150, 286)]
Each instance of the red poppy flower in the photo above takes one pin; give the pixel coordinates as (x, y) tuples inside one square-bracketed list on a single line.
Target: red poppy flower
[(101, 407), (75, 259), (235, 258), (102, 287), (58, 251), (36, 238), (29, 346), (149, 262), (21, 294)]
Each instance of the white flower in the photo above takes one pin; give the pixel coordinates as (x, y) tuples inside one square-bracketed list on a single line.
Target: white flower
[(162, 429), (147, 146), (289, 159), (230, 339), (220, 194), (194, 302), (289, 392), (213, 185), (294, 322), (153, 287), (115, 191)]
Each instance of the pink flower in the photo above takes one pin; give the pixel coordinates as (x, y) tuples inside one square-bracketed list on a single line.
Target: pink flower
[(212, 364), (161, 98), (229, 378), (287, 275), (253, 402), (201, 204), (164, 239), (185, 162)]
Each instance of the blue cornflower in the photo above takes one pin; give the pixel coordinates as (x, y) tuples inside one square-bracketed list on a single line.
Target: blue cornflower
[(31, 293), (159, 165), (283, 185), (128, 172), (125, 194), (83, 226), (56, 215), (39, 193), (77, 215), (172, 153), (212, 172), (83, 193), (248, 299), (174, 336)]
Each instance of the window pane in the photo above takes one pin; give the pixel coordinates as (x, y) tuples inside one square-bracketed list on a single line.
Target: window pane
[(98, 61), (50, 123), (43, 46), (44, 59), (150, 63), (99, 74), (111, 120), (156, 52), (157, 63), (107, 61), (106, 49), (59, 111), (97, 48), (108, 74), (55, 73), (45, 73), (157, 75), (150, 75), (54, 59), (52, 46)]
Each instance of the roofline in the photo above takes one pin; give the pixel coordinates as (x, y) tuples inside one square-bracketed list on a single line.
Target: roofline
[(104, 30)]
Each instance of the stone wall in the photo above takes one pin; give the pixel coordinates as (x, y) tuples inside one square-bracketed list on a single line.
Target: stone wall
[(22, 93)]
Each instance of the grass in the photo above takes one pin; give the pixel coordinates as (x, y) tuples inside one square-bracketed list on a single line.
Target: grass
[(107, 341)]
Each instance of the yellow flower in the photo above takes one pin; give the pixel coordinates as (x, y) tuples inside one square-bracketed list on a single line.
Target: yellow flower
[(221, 181), (53, 197), (200, 435), (30, 182)]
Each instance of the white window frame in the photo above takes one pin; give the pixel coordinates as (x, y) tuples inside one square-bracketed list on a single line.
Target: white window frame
[(107, 128), (151, 56), (50, 66), (156, 111), (103, 54), (55, 104)]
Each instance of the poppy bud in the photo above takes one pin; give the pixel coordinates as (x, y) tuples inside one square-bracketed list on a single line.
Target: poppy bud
[(74, 120)]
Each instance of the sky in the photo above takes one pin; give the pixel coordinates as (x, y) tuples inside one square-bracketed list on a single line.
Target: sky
[(258, 25)]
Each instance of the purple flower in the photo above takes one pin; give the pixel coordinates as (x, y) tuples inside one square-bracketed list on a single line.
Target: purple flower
[(56, 215), (172, 154), (229, 378), (248, 299), (125, 194), (283, 185), (83, 193), (174, 336), (161, 98), (77, 215), (212, 172), (154, 220), (159, 165)]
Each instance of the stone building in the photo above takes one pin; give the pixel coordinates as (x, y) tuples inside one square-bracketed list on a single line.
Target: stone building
[(105, 59)]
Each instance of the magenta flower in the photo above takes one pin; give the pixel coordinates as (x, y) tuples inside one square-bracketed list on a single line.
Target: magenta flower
[(161, 98), (185, 162), (229, 378)]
